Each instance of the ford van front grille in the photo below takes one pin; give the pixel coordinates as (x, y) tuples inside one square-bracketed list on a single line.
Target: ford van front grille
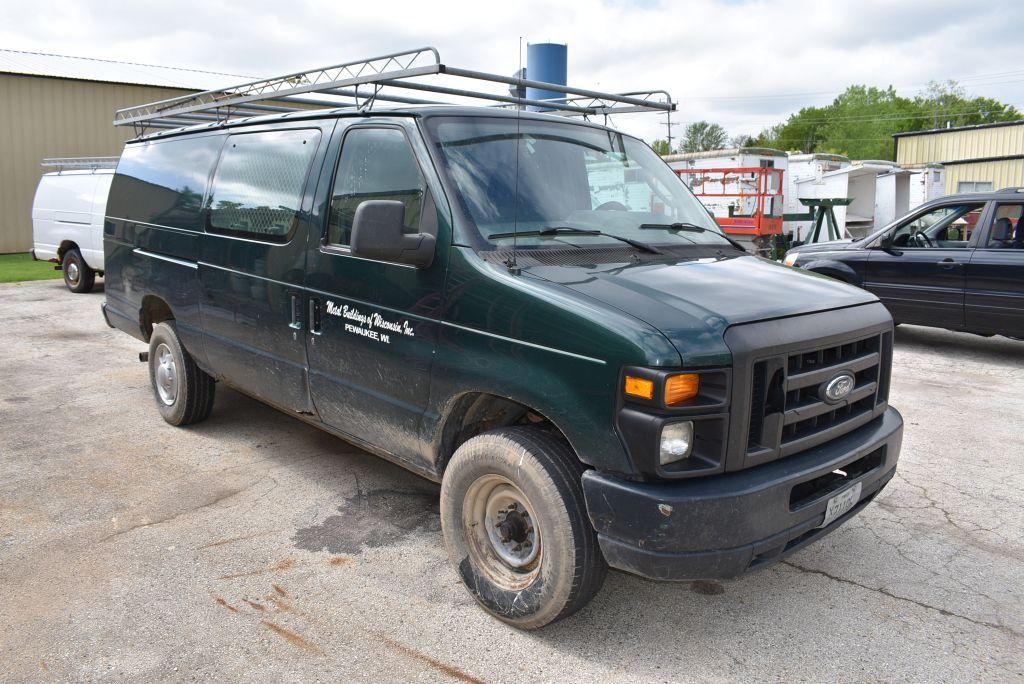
[(795, 396), (788, 409), (809, 418)]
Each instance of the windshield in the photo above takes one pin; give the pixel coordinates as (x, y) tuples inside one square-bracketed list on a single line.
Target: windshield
[(523, 176)]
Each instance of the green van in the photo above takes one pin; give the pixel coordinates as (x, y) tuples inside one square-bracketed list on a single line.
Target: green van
[(533, 311)]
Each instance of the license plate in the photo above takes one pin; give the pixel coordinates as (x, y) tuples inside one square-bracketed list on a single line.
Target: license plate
[(840, 504)]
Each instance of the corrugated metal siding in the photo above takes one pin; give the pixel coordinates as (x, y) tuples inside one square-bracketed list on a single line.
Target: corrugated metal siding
[(1002, 174), (54, 117), (88, 69), (980, 143)]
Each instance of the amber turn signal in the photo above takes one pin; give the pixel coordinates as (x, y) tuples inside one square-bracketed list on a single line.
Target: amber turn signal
[(679, 388), (639, 387)]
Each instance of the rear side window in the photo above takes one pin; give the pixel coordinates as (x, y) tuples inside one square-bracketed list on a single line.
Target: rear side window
[(163, 182), (375, 164), (257, 191)]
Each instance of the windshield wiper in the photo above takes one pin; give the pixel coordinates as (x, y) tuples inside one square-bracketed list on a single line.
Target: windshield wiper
[(682, 226), (569, 230)]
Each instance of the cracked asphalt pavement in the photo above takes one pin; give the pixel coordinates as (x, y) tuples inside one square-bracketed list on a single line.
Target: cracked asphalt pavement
[(255, 547)]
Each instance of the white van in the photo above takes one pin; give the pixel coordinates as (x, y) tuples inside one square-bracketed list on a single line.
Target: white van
[(67, 218)]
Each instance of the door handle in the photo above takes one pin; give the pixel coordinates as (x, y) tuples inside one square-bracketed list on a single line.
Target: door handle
[(315, 316), (296, 313), (949, 263)]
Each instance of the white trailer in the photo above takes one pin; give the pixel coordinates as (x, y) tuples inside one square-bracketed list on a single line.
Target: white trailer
[(873, 206), (927, 182), (807, 178)]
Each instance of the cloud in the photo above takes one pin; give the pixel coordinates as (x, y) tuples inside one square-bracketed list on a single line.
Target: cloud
[(743, 64)]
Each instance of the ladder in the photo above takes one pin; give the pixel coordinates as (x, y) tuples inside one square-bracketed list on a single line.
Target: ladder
[(69, 163), (385, 79)]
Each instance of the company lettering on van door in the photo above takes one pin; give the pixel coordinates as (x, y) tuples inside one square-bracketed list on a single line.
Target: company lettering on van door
[(373, 326)]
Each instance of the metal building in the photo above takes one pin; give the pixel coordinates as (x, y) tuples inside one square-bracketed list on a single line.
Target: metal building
[(58, 106), (976, 158)]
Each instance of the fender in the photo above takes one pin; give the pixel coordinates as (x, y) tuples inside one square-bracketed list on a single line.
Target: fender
[(835, 269)]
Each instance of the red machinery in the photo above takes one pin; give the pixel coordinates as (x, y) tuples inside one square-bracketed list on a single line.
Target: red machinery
[(755, 215)]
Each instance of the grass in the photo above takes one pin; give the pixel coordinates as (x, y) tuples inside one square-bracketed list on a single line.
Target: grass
[(15, 268)]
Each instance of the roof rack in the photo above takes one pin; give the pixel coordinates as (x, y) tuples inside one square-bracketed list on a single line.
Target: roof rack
[(359, 85), (93, 163)]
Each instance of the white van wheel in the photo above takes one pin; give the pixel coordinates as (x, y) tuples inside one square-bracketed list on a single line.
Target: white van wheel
[(78, 277)]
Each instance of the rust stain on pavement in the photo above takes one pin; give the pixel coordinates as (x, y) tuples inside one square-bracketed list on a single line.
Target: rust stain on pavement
[(450, 670), (292, 638)]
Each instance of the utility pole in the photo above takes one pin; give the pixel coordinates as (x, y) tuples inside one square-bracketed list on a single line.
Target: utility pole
[(668, 126)]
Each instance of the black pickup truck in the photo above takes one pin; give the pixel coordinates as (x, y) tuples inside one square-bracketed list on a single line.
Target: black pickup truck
[(956, 263)]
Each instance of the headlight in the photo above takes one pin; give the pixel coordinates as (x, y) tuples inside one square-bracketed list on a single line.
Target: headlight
[(791, 258), (676, 442)]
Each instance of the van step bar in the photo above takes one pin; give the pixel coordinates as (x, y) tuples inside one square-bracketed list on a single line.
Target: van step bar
[(379, 77)]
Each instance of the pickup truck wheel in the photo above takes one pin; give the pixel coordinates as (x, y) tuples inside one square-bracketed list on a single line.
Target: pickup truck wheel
[(516, 526), (78, 277), (184, 393)]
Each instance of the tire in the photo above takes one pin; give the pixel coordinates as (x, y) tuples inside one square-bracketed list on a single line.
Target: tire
[(78, 277), (184, 393), (561, 568)]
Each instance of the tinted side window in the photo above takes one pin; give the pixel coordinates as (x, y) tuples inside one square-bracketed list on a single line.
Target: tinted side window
[(375, 164), (944, 227), (1007, 227), (257, 191), (163, 182)]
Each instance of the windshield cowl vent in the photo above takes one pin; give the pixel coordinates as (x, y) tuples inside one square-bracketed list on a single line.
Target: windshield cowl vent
[(592, 256)]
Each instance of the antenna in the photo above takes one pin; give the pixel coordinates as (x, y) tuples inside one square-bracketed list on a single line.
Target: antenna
[(512, 264)]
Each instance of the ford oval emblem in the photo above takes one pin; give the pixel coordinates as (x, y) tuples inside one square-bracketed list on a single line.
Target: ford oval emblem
[(839, 387)]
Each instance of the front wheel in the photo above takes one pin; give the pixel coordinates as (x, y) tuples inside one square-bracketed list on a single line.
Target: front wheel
[(78, 277), (516, 527)]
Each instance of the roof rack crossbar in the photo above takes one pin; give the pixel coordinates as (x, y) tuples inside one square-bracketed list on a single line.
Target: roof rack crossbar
[(392, 71), (507, 99), (568, 90)]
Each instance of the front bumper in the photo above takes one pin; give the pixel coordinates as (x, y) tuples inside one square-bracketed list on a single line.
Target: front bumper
[(724, 525)]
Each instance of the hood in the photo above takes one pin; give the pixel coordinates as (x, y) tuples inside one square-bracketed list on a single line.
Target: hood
[(693, 301)]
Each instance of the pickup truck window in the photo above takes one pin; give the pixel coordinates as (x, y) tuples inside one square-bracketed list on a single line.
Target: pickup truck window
[(528, 175), (375, 164), (257, 191)]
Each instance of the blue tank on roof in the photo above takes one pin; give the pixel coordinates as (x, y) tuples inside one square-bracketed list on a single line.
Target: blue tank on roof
[(546, 62)]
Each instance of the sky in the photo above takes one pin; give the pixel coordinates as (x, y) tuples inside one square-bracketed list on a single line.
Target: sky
[(745, 65)]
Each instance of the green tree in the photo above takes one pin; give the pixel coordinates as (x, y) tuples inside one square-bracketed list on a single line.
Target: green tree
[(661, 147), (948, 103), (861, 121), (702, 136)]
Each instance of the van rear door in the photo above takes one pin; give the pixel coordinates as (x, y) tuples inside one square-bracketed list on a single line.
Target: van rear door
[(374, 323), (254, 259)]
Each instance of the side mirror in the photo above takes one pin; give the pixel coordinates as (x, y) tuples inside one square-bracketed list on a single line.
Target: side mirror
[(885, 244), (377, 234)]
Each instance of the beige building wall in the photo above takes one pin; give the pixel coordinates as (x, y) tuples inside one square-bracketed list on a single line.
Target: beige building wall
[(1002, 174), (973, 154), (54, 117)]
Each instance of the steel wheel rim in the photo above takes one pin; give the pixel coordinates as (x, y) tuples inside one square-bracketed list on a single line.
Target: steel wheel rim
[(503, 531), (166, 375), (73, 272)]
